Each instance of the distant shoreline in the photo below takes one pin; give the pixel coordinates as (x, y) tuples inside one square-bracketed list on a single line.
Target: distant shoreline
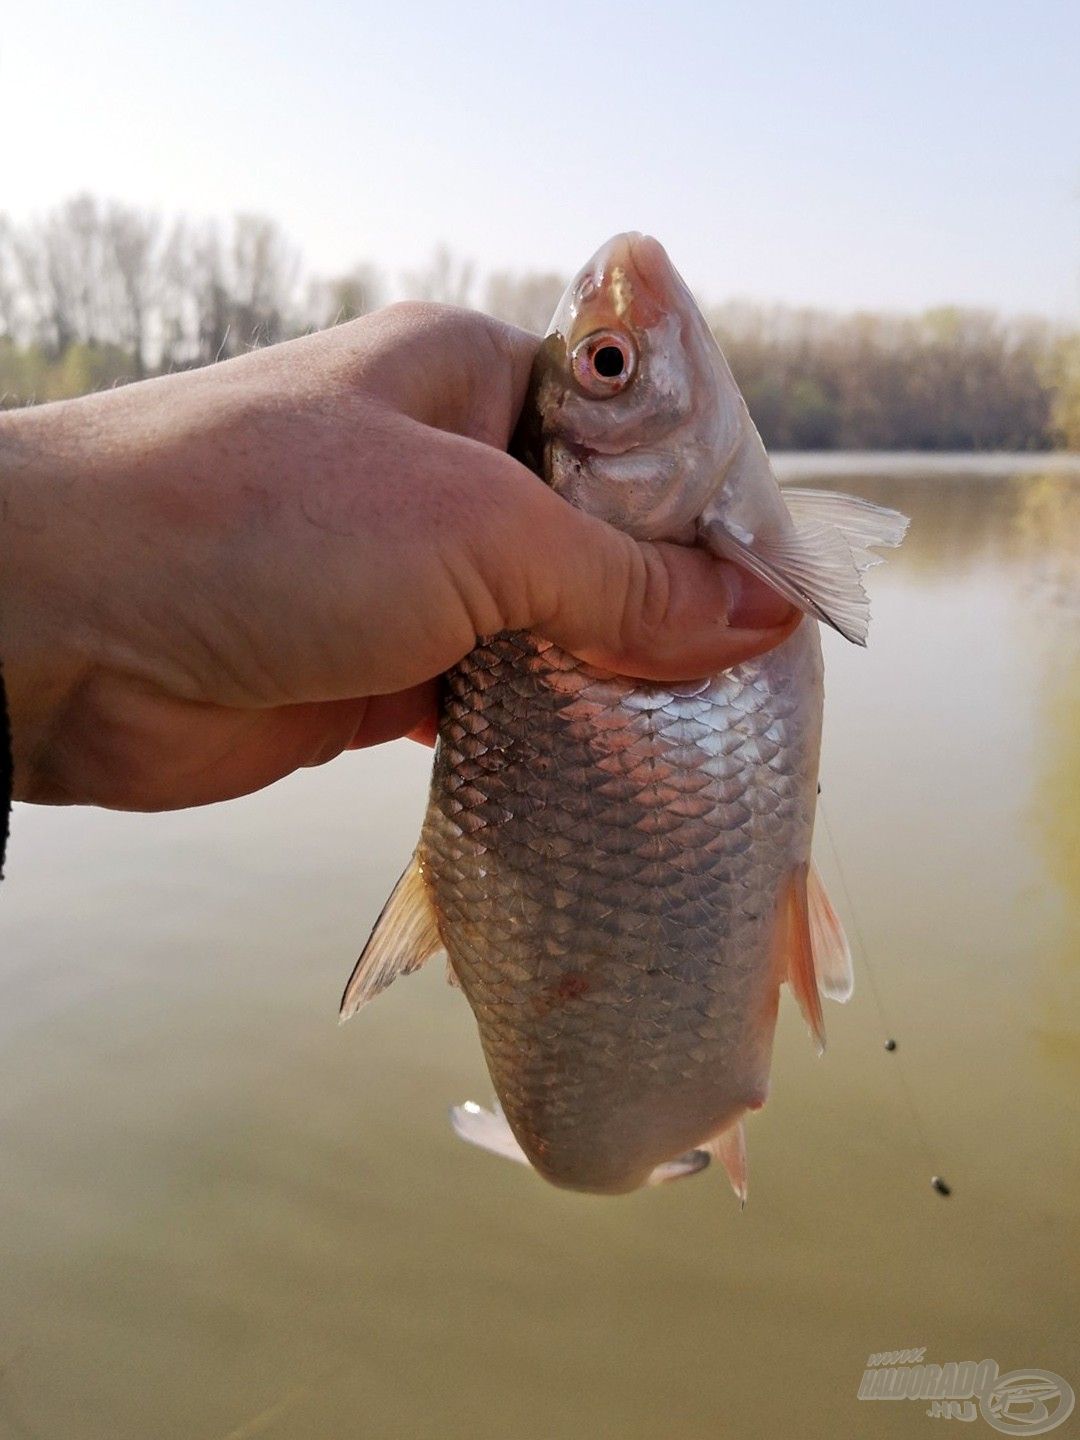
[(922, 464)]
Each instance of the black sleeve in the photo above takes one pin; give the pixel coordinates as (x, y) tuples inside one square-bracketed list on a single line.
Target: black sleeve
[(5, 771)]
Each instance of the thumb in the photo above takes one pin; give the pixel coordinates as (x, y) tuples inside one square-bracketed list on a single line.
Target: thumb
[(642, 608)]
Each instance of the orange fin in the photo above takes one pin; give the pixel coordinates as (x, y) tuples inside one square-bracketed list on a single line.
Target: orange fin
[(451, 975), (832, 954), (729, 1147), (798, 951), (405, 935)]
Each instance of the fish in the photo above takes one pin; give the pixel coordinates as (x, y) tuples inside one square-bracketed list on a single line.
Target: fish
[(619, 871)]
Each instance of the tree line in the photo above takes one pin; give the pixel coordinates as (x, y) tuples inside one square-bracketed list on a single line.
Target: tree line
[(97, 293)]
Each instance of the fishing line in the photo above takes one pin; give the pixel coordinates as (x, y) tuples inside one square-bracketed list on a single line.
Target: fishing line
[(937, 1182)]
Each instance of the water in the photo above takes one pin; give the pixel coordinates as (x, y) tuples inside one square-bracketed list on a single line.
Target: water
[(222, 1216)]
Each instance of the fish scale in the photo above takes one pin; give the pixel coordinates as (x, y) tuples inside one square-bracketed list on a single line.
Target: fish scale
[(620, 871), (609, 911)]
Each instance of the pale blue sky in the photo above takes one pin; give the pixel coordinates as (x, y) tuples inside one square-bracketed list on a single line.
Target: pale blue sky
[(852, 154)]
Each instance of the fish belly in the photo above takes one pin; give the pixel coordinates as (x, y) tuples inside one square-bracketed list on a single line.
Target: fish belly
[(605, 858)]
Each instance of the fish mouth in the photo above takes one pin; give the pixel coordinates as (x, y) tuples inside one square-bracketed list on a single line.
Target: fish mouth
[(652, 270), (636, 277), (629, 283), (585, 453)]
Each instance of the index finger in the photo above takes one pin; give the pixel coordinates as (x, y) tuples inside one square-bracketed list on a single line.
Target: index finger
[(455, 370)]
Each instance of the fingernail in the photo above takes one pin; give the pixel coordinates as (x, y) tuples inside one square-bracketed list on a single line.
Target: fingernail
[(753, 605)]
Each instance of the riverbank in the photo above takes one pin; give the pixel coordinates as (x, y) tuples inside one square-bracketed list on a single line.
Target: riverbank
[(922, 464)]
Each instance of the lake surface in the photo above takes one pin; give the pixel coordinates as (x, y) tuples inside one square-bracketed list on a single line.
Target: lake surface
[(221, 1216)]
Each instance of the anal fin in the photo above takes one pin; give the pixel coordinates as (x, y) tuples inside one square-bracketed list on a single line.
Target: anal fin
[(729, 1147), (405, 935)]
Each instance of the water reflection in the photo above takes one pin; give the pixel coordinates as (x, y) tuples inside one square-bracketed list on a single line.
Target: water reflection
[(1057, 790), (223, 1217), (1048, 524), (958, 523), (1055, 819)]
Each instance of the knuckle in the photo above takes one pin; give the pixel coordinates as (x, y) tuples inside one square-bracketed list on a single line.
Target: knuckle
[(647, 605), (414, 313)]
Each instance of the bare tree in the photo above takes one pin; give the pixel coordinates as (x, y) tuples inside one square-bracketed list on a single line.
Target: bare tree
[(211, 297), (444, 279), (72, 244), (343, 297), (91, 295), (265, 268), (131, 239), (949, 379), (49, 285), (68, 278), (9, 302), (525, 300), (1063, 369), (222, 294), (175, 317), (194, 304)]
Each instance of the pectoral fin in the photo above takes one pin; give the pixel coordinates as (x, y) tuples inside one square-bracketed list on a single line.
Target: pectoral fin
[(863, 524), (817, 562), (405, 935)]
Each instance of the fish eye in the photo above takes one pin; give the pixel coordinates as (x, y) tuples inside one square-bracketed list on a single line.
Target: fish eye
[(609, 361), (604, 363)]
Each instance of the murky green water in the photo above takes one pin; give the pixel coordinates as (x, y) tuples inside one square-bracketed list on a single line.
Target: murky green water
[(222, 1216)]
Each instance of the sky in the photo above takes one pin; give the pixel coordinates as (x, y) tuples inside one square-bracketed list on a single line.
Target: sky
[(844, 155)]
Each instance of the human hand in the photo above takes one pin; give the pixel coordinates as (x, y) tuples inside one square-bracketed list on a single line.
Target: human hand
[(211, 579)]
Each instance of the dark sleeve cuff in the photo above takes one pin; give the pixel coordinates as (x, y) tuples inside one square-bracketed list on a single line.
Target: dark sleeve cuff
[(5, 770)]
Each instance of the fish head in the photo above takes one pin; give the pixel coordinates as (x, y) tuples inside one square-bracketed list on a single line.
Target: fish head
[(634, 415)]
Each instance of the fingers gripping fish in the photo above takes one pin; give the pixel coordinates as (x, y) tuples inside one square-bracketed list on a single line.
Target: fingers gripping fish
[(619, 871)]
